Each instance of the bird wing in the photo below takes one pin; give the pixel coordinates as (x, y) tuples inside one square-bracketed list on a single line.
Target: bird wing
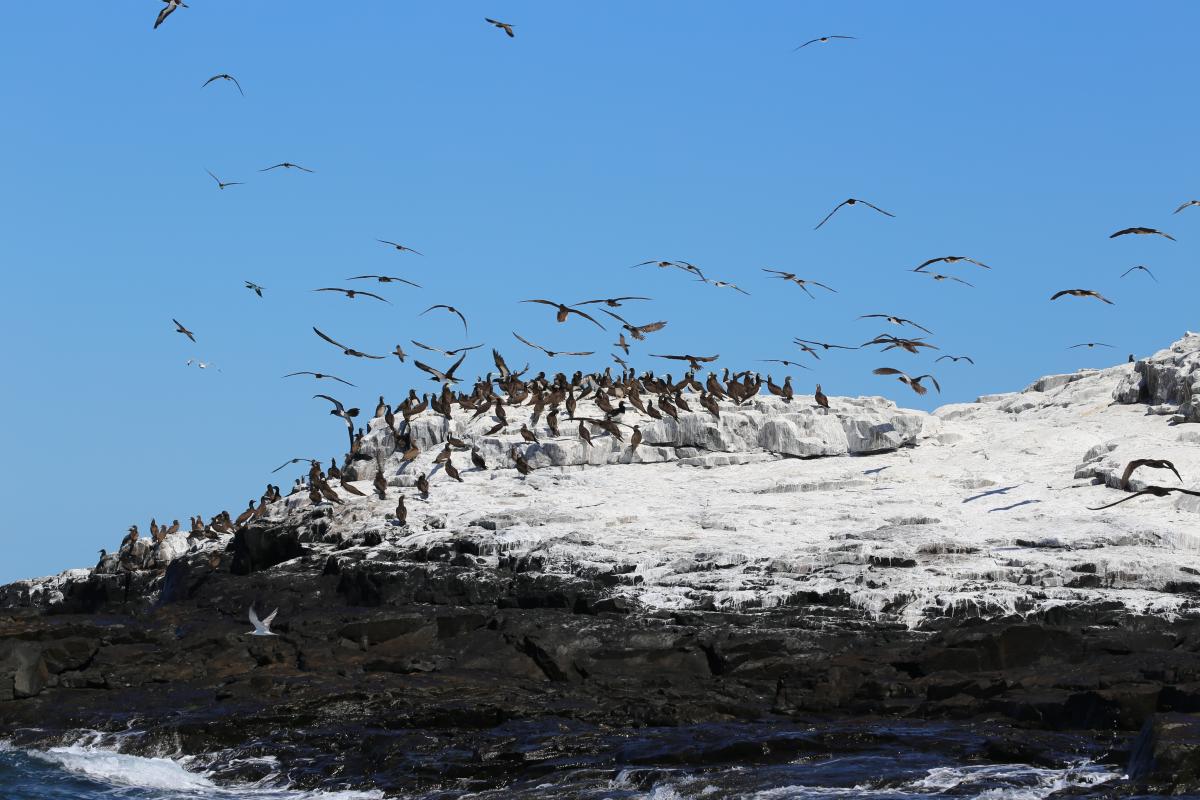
[(823, 286), (543, 302), (936, 385), (887, 371), (586, 316), (427, 347), (927, 263), (652, 327), (877, 208), (1185, 205), (331, 341), (450, 372), (1122, 500), (255, 621), (335, 289), (270, 618), (617, 317), (235, 83), (531, 344), (268, 169), (831, 213), (437, 373), (337, 403), (377, 297), (806, 44), (214, 177)]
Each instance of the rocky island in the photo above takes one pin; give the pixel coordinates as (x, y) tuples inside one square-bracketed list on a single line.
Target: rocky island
[(787, 578)]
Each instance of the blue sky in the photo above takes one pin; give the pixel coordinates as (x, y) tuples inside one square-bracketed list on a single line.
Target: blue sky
[(542, 166)]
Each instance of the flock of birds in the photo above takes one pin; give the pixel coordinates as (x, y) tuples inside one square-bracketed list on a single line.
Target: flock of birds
[(614, 397)]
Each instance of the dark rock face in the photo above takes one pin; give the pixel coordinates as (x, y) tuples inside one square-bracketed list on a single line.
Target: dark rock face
[(381, 661)]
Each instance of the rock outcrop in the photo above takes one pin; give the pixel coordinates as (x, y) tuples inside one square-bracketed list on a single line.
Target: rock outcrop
[(1168, 382)]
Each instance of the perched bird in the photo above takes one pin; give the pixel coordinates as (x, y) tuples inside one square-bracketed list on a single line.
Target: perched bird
[(349, 351), (222, 184), (254, 287), (384, 278), (180, 329), (822, 40), (955, 359), (1089, 345), (423, 486), (452, 471), (477, 459), (504, 26), (1182, 206), (851, 202), (449, 309), (1152, 463), (262, 627), (1081, 293), (820, 398), (225, 77), (401, 512), (565, 311), (286, 165), (168, 10), (402, 248), (1154, 491), (896, 321), (1141, 232), (551, 353), (319, 376), (912, 383), (1142, 269), (380, 484), (352, 293), (950, 260)]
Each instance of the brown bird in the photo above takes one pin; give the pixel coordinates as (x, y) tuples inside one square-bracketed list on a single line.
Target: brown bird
[(221, 185), (550, 353), (400, 247), (180, 329), (338, 410), (612, 302), (520, 462), (352, 293), (225, 77), (850, 202), (346, 350), (450, 309), (1141, 232), (694, 362), (384, 279), (1141, 268), (380, 484), (423, 486), (401, 512), (912, 383), (565, 311), (638, 332), (448, 353), (896, 321), (528, 435), (399, 353), (821, 399), (725, 285), (822, 345), (294, 461), (286, 165), (168, 10), (585, 434), (349, 487), (939, 277), (1089, 345), (477, 459), (801, 282), (683, 265), (893, 342), (785, 362), (955, 359), (822, 40), (635, 439), (1155, 491), (1082, 293), (445, 378), (504, 26), (950, 260), (1152, 463), (452, 471)]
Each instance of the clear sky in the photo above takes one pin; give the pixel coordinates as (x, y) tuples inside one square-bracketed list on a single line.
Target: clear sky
[(604, 134)]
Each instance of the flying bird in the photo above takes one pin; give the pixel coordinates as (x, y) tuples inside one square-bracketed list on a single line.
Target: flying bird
[(694, 362), (450, 309), (1143, 269), (1152, 463), (822, 40), (912, 383), (1155, 491), (444, 378), (956, 359), (168, 10), (262, 627), (939, 277), (352, 293), (504, 26), (1185, 205), (286, 165), (180, 329), (222, 184), (636, 331), (785, 362), (896, 321), (225, 77), (293, 461), (319, 376), (450, 353), (612, 302), (1141, 232), (725, 285), (254, 287), (950, 260), (1089, 345), (400, 247), (822, 345), (565, 311), (349, 351), (1082, 293), (550, 353), (851, 202), (383, 279), (801, 282), (683, 265)]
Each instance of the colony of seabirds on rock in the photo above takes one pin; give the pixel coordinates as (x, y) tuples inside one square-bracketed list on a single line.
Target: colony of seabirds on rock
[(583, 405)]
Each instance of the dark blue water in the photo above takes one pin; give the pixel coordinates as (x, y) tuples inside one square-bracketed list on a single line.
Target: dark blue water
[(88, 772)]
